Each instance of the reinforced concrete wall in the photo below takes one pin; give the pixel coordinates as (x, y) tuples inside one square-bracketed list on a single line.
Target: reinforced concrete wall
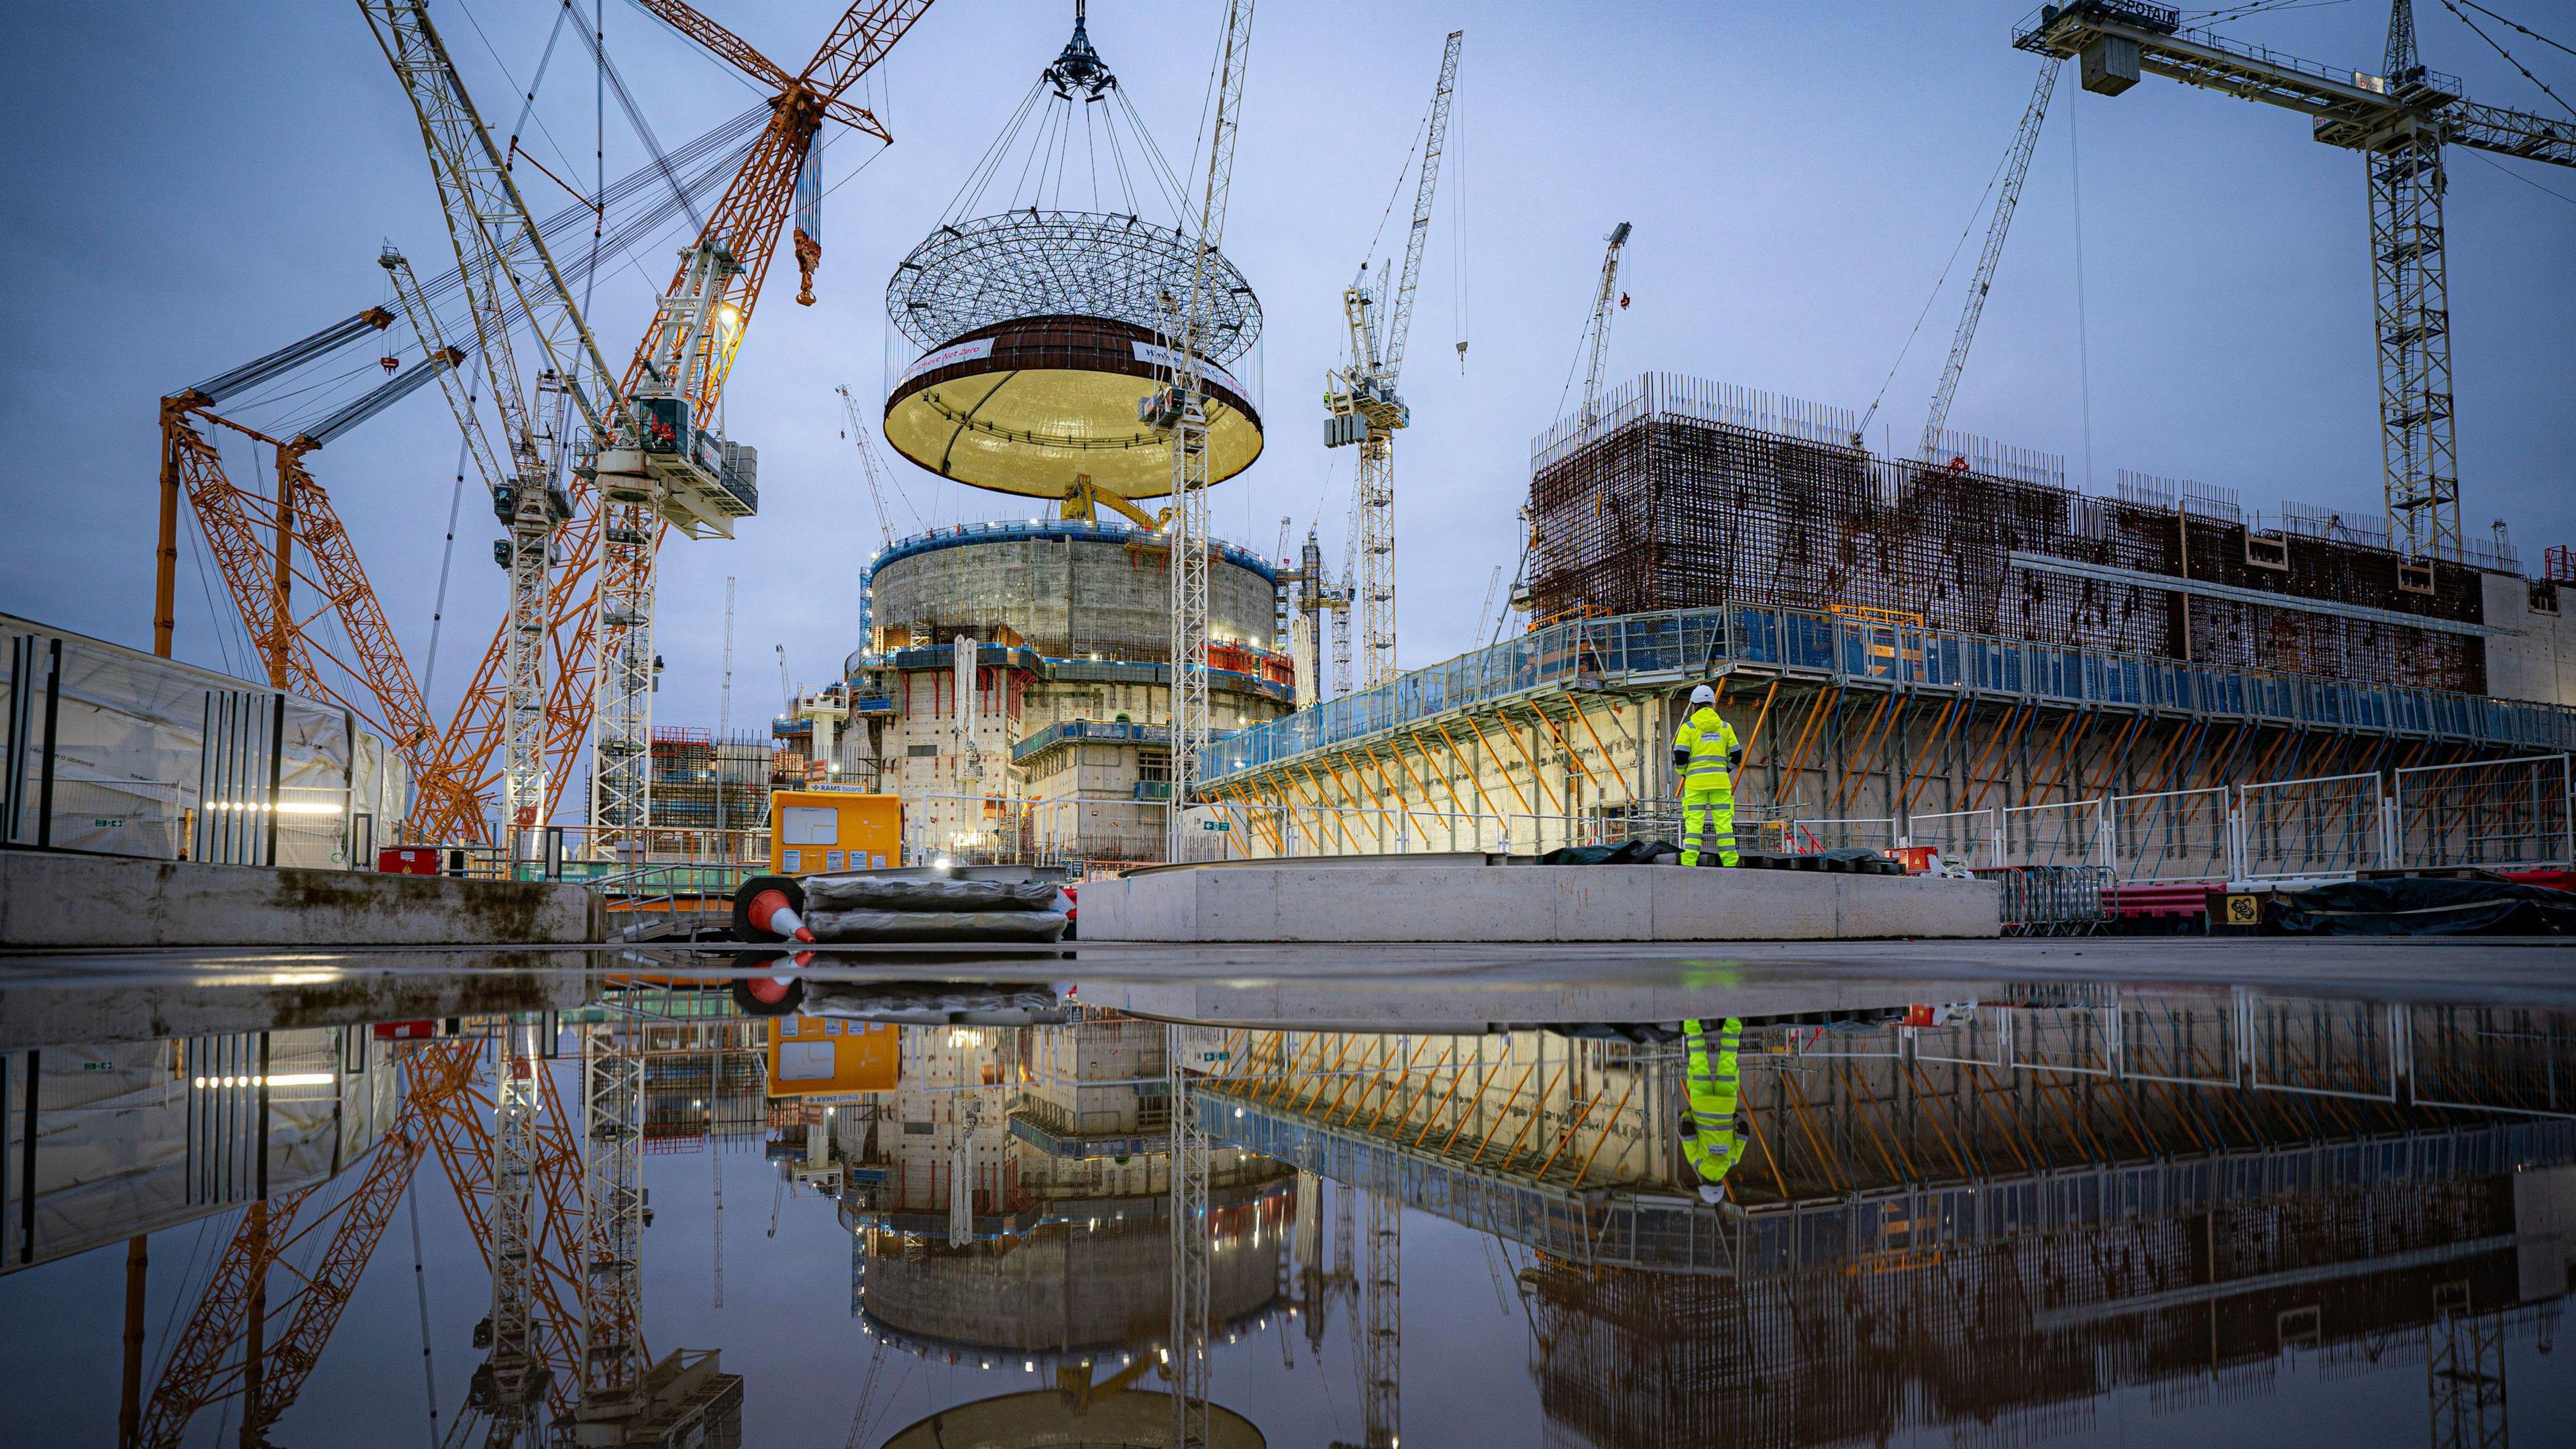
[(1094, 592), (1687, 494)]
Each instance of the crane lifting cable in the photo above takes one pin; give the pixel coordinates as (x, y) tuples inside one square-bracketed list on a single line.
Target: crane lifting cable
[(258, 392)]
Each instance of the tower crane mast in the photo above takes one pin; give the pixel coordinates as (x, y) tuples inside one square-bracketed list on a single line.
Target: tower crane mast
[(507, 270), (1362, 403), (2399, 120), (597, 614), (1178, 409)]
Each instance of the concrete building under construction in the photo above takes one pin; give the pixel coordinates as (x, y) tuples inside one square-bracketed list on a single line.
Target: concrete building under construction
[(1061, 744), (1973, 655), (1683, 494)]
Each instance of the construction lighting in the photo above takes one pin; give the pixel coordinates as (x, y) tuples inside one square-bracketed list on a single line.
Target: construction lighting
[(278, 1079)]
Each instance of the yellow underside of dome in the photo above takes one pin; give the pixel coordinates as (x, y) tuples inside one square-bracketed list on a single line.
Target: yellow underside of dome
[(1030, 432)]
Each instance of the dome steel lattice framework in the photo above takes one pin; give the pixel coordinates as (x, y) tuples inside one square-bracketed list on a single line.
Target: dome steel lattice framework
[(1044, 305), (1040, 263)]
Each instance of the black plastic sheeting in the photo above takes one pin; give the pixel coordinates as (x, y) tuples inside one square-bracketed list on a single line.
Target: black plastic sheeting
[(939, 1003), (1634, 852), (2416, 906), (882, 893), (947, 925)]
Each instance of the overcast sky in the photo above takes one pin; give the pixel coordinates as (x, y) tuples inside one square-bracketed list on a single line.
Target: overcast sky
[(191, 186)]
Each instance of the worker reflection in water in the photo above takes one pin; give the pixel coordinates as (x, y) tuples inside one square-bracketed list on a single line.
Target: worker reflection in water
[(1710, 1141), (1705, 755)]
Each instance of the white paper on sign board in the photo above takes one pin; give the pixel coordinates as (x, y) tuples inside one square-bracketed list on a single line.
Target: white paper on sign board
[(809, 825), (805, 1061)]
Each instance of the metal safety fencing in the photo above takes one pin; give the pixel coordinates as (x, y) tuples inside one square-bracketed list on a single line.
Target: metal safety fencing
[(2052, 900), (1880, 833), (2326, 826), (2495, 813), (2063, 832), (2172, 835), (1971, 838), (2506, 814)]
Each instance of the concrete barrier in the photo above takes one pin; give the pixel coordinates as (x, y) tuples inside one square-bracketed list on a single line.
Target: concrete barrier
[(52, 899), (1343, 902)]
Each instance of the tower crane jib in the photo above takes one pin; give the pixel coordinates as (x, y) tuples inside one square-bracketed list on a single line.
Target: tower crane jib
[(2399, 121), (1606, 301)]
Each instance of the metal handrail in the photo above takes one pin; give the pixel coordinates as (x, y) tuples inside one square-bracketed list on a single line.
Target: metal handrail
[(1675, 646)]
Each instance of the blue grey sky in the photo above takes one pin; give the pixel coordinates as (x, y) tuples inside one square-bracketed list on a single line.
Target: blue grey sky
[(191, 186)]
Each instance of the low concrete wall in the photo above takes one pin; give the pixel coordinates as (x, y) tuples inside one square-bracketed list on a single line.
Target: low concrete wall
[(48, 899), (1343, 903)]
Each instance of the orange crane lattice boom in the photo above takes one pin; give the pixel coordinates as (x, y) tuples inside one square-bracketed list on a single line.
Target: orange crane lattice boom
[(744, 226)]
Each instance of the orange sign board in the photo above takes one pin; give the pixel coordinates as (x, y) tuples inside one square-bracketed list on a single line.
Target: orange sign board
[(830, 831), (812, 1056)]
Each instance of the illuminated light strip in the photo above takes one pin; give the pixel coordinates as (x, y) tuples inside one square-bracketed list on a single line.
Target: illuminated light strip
[(283, 807), (282, 1079)]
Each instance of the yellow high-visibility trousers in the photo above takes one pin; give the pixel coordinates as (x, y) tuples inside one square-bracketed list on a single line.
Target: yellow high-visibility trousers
[(1708, 824)]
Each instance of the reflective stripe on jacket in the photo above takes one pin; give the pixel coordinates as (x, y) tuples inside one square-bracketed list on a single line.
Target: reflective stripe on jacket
[(1709, 739), (1709, 1081)]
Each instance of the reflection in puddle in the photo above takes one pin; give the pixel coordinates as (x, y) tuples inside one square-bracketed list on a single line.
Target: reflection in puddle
[(1044, 1223)]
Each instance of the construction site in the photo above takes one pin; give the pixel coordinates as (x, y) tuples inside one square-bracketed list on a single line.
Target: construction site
[(1871, 938)]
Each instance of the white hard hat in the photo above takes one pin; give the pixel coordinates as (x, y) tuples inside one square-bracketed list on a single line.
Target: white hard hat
[(1703, 695)]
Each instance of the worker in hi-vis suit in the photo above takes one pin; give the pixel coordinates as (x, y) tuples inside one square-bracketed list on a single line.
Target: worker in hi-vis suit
[(1705, 755)]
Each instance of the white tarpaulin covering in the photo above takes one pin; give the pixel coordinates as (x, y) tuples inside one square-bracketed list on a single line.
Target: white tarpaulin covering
[(106, 751)]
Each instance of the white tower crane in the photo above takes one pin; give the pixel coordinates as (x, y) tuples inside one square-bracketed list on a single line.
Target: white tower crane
[(1607, 299), (506, 269), (1361, 401), (1177, 409), (868, 463), (2400, 121)]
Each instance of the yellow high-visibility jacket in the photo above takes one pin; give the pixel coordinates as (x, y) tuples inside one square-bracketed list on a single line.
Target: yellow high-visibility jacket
[(1709, 741)]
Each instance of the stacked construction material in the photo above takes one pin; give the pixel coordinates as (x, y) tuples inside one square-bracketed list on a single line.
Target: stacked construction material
[(872, 907)]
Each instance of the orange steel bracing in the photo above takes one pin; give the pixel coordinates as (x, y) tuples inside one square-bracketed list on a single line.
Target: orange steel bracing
[(1951, 715), (204, 1366), (743, 226), (1869, 732)]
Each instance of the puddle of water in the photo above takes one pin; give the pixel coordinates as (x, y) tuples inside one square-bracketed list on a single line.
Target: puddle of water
[(942, 1199)]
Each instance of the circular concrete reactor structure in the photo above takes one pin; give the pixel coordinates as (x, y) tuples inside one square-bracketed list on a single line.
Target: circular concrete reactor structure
[(1134, 1419), (1069, 589), (1076, 1286)]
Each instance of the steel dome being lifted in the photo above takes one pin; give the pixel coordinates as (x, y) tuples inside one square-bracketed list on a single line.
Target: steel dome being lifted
[(1042, 324)]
